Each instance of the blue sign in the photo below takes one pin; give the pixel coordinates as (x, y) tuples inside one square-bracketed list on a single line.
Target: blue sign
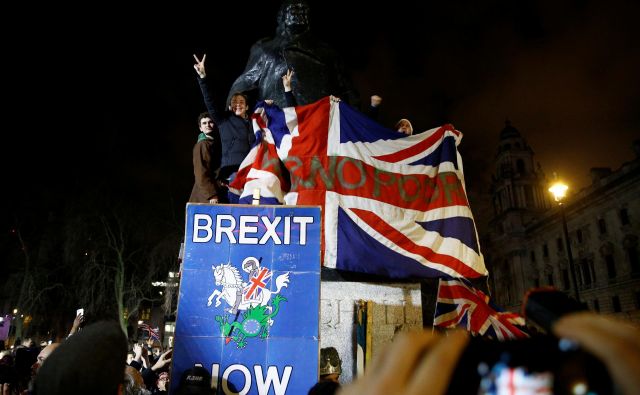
[(249, 300)]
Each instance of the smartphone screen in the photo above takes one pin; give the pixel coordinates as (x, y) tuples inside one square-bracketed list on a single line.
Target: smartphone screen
[(541, 365), (79, 312)]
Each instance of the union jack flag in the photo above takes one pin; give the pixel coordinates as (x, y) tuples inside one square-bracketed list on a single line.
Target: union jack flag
[(154, 333), (256, 284), (393, 205), (461, 305)]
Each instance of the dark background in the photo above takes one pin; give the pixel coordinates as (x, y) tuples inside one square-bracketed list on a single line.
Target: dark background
[(104, 96)]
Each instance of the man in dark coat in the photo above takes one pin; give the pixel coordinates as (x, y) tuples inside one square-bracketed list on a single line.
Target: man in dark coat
[(206, 160)]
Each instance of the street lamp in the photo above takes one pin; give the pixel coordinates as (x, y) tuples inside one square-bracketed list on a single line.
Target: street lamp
[(559, 191)]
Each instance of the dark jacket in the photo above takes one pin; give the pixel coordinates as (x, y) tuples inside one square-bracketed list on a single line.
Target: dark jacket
[(204, 169), (236, 134)]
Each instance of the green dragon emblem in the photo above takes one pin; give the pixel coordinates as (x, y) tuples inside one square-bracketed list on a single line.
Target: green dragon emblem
[(255, 323)]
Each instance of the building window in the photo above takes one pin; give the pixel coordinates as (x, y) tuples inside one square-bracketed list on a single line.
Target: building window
[(520, 166), (637, 294), (615, 301), (624, 216), (559, 244), (536, 282), (533, 257), (602, 226), (550, 279), (611, 265), (596, 305), (579, 235), (565, 279), (545, 250)]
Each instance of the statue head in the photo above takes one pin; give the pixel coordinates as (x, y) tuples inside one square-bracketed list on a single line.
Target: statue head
[(293, 17)]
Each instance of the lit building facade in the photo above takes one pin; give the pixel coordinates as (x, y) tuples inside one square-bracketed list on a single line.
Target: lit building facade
[(525, 246)]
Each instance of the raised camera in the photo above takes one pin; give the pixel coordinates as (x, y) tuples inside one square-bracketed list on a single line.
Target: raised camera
[(541, 364)]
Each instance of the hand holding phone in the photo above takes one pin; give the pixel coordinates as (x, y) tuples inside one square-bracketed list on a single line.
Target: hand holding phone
[(614, 342), (542, 364)]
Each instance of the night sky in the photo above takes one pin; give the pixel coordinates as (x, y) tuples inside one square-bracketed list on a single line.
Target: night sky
[(108, 95)]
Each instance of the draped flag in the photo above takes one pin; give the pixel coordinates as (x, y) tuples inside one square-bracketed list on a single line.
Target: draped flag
[(393, 205), (461, 305)]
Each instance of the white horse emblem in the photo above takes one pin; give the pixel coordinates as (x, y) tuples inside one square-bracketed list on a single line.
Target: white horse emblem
[(233, 288)]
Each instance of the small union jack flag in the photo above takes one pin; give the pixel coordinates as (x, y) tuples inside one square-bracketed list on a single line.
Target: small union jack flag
[(461, 305), (153, 333), (256, 284)]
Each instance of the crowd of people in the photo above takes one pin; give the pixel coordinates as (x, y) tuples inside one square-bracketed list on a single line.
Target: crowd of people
[(95, 360)]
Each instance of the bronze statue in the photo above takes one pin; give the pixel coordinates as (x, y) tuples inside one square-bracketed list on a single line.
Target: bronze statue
[(318, 69)]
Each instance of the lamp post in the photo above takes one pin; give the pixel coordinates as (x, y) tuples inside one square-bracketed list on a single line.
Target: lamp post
[(559, 191)]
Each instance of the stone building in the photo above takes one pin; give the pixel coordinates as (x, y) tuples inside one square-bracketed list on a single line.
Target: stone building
[(525, 245)]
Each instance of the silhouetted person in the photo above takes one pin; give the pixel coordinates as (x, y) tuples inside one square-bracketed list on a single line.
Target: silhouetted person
[(318, 69), (89, 362)]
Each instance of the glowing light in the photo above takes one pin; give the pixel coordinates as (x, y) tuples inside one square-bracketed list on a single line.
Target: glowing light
[(579, 388), (559, 191)]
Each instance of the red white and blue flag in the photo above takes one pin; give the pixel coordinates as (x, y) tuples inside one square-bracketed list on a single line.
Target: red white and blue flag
[(153, 333), (256, 284), (459, 304), (393, 205)]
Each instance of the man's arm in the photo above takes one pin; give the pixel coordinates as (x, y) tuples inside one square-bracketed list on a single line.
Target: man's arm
[(76, 324), (205, 89), (374, 108), (289, 98)]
